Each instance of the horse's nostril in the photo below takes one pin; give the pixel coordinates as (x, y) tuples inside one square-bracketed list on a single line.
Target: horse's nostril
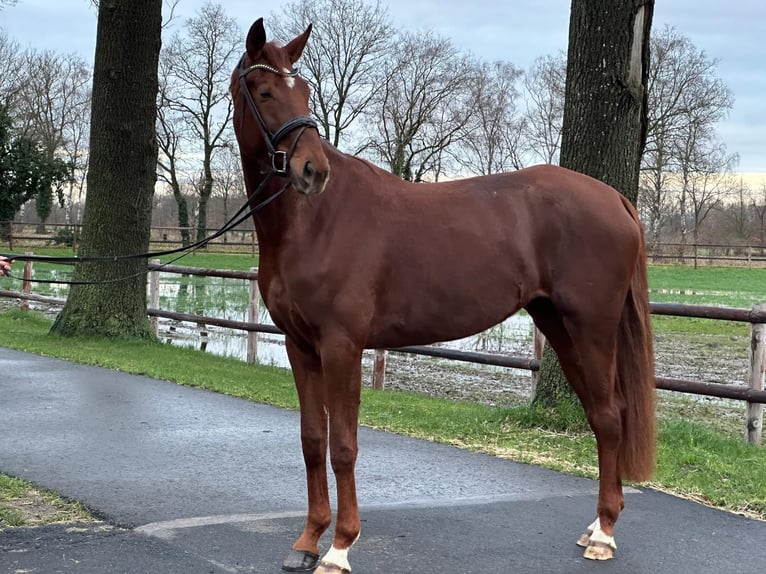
[(308, 171)]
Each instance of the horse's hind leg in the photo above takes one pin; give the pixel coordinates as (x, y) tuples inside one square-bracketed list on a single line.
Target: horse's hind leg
[(587, 353), (307, 371)]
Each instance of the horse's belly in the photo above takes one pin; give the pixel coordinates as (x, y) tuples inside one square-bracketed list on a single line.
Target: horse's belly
[(448, 324)]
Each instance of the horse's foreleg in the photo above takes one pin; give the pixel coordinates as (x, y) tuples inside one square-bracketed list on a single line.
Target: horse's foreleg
[(307, 371), (342, 371)]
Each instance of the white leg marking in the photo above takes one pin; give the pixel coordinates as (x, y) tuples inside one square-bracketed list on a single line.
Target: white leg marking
[(337, 557), (595, 525), (585, 536), (599, 536)]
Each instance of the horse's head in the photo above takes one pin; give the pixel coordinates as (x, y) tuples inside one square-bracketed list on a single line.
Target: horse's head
[(271, 113)]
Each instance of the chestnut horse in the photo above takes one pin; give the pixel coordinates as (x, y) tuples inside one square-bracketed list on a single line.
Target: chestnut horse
[(352, 257)]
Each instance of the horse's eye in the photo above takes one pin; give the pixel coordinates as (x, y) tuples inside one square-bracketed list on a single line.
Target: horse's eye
[(266, 95)]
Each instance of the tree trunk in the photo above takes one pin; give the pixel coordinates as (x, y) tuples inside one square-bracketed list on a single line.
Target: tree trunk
[(183, 208), (604, 129), (122, 174), (204, 194)]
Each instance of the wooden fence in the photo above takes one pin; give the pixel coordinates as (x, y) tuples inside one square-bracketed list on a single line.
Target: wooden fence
[(701, 254), (244, 241), (753, 394), (19, 235)]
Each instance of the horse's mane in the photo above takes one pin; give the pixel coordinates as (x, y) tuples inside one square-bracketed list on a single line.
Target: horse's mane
[(368, 164)]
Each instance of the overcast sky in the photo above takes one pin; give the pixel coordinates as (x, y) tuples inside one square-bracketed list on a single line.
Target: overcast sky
[(734, 33)]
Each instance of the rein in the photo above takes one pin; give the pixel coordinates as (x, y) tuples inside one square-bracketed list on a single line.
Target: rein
[(280, 166)]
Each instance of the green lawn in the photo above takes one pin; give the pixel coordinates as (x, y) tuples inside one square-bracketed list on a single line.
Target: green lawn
[(720, 286)]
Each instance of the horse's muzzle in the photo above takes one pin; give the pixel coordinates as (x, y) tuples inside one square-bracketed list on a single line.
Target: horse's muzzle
[(311, 179)]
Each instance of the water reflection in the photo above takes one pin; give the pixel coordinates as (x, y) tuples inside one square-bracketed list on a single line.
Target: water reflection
[(228, 299)]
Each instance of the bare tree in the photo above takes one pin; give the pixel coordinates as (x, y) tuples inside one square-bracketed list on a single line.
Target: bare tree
[(758, 206), (198, 64), (738, 214), (171, 134), (229, 182), (76, 153), (54, 106), (686, 99), (10, 72), (423, 106), (343, 61), (491, 143), (544, 85), (705, 179)]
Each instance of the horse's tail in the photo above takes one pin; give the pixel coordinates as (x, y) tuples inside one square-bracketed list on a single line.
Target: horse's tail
[(635, 374)]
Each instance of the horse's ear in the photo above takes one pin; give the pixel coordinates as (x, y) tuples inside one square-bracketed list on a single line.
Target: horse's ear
[(295, 48), (256, 39)]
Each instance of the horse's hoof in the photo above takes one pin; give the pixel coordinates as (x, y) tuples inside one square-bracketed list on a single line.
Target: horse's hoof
[(584, 539), (329, 568), (300, 561), (599, 551)]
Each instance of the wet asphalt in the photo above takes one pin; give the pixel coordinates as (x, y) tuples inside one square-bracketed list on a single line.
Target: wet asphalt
[(188, 481)]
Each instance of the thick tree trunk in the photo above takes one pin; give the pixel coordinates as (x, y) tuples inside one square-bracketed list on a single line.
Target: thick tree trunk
[(604, 128), (122, 174)]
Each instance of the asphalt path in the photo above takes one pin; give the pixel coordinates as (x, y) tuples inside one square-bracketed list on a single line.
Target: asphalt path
[(188, 481)]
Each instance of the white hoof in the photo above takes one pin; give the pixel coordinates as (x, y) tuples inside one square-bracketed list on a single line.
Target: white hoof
[(600, 546)]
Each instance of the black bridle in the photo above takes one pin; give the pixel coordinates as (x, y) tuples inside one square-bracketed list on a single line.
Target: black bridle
[(280, 167), (280, 159)]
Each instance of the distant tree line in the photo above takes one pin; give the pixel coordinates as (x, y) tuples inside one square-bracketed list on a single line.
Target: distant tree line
[(408, 100)]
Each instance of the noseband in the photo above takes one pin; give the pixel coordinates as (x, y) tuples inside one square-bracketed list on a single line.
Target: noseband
[(280, 160)]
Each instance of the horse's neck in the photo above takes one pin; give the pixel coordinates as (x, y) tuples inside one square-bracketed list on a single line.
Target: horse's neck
[(272, 221), (287, 217)]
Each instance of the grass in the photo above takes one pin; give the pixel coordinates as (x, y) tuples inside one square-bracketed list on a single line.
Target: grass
[(21, 504), (721, 286), (694, 459)]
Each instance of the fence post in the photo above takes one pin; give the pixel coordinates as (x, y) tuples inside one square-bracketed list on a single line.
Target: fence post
[(154, 295), (538, 343), (26, 283), (754, 416), (252, 317), (379, 370)]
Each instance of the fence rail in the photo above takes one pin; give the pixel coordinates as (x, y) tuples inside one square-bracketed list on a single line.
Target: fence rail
[(753, 394), (19, 234), (708, 253)]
